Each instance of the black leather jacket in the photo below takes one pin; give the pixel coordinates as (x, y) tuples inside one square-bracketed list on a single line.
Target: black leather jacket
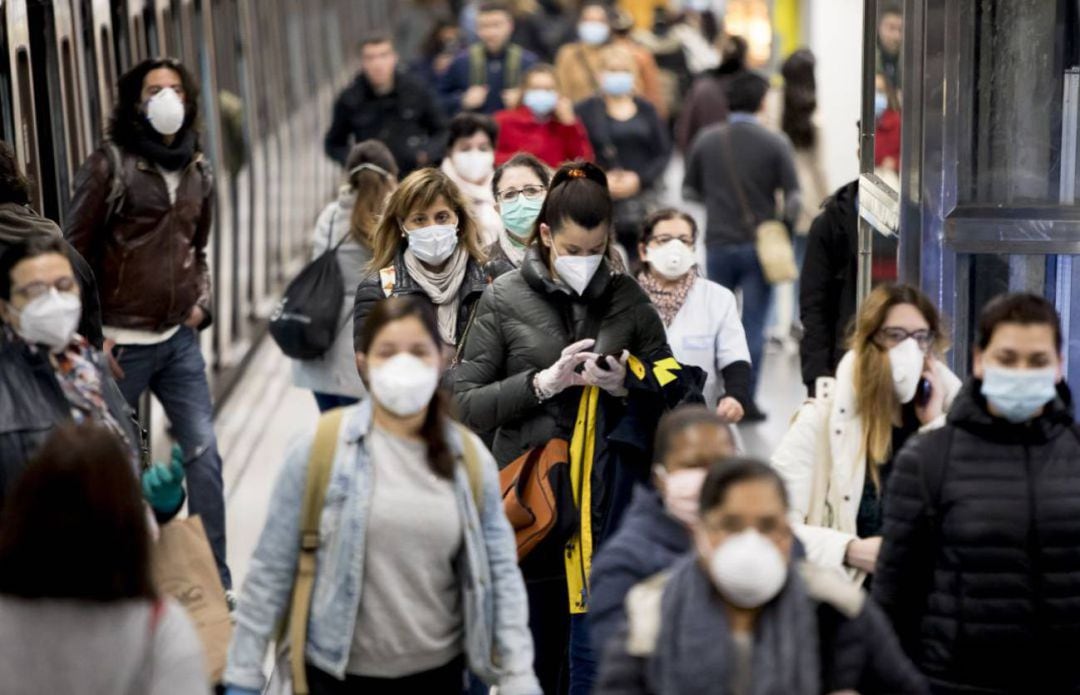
[(32, 404)]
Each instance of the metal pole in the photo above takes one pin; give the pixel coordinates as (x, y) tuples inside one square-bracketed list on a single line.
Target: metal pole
[(866, 144), (1066, 269)]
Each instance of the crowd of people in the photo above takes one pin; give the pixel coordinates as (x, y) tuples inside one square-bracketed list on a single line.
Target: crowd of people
[(526, 472)]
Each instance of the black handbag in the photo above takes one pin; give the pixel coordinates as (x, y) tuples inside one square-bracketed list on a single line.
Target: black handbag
[(305, 323)]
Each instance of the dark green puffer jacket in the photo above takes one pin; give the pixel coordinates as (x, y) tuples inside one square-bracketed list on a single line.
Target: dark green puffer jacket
[(523, 322)]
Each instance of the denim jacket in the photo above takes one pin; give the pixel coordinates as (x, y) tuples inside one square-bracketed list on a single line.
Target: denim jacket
[(498, 644)]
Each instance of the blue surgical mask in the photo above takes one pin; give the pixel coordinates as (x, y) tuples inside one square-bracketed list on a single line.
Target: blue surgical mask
[(881, 102), (1019, 394), (540, 101), (617, 84), (593, 33), (519, 216)]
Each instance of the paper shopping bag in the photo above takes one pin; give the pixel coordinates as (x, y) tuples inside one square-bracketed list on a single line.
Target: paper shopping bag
[(184, 568)]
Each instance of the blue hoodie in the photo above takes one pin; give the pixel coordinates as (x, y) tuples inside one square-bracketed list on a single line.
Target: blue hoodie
[(648, 541)]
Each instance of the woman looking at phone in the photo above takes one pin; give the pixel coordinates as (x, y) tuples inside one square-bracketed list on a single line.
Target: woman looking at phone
[(837, 456)]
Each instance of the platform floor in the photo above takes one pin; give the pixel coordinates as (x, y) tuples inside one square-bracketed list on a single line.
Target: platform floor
[(266, 412)]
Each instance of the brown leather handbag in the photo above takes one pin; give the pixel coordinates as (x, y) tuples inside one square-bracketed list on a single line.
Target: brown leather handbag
[(534, 490)]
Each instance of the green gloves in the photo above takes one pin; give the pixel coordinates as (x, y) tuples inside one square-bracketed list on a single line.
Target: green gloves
[(163, 484)]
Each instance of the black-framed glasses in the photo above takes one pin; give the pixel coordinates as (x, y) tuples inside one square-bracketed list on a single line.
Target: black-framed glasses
[(530, 192), (33, 290), (891, 336)]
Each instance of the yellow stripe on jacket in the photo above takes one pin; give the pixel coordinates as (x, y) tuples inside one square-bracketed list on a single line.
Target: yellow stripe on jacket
[(582, 452)]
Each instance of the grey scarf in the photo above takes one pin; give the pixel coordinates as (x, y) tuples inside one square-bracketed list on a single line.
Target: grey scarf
[(694, 651), (442, 288)]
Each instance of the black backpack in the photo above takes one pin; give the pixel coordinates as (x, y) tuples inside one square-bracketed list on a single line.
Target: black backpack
[(304, 324)]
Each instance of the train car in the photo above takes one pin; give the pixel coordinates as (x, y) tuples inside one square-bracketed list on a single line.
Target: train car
[(269, 71)]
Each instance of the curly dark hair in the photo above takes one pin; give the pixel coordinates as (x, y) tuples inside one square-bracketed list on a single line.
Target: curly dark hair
[(128, 122), (14, 187), (800, 99)]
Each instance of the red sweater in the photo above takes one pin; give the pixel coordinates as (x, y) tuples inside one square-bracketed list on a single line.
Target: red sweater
[(551, 141)]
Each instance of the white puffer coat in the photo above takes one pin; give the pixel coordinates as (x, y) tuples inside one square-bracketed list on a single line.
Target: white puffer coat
[(822, 461)]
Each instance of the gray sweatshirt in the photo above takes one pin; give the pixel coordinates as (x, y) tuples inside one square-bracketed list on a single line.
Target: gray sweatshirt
[(64, 646)]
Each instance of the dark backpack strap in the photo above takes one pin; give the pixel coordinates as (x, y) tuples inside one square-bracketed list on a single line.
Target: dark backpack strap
[(931, 484)]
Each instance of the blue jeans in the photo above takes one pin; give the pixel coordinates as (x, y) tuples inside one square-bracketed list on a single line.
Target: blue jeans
[(175, 373), (582, 659), (736, 266), (329, 401)]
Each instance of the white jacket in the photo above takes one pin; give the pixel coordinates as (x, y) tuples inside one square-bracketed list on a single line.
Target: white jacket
[(708, 333), (822, 462)]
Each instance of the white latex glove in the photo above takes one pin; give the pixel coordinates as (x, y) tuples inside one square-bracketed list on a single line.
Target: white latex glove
[(612, 380), (563, 374)]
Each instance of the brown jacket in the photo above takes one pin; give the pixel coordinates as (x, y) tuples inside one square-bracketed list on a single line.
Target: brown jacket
[(148, 254)]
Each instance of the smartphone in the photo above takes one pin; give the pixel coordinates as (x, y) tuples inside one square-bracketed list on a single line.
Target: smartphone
[(923, 392), (604, 364)]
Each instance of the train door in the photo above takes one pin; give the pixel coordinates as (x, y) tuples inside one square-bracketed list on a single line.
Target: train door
[(98, 66), (24, 121)]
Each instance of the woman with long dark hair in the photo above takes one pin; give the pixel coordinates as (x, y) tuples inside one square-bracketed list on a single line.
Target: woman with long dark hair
[(346, 226), (566, 348), (416, 574), (79, 612)]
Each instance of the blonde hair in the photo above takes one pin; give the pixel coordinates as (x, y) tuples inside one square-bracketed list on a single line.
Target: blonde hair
[(420, 190), (372, 174), (875, 400)]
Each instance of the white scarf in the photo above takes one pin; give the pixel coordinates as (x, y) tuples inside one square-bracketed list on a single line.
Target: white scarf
[(442, 288), (481, 202), (515, 253)]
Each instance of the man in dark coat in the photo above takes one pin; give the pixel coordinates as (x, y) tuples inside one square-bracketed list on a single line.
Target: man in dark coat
[(827, 284), (979, 568), (386, 104), (654, 532)]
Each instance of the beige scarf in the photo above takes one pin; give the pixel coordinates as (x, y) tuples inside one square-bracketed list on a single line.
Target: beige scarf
[(442, 288)]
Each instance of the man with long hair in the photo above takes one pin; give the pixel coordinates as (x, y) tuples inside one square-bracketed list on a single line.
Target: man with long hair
[(141, 215)]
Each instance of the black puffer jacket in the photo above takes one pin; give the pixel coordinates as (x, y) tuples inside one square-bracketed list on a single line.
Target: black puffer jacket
[(980, 567), (522, 324), (827, 284), (371, 290)]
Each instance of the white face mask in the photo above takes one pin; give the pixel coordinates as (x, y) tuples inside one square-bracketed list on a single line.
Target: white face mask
[(576, 271), (682, 491), (50, 320), (404, 384), (474, 166), (671, 260), (748, 569), (433, 244), (907, 360), (165, 111)]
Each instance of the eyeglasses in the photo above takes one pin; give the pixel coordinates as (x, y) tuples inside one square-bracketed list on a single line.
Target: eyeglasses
[(530, 193), (34, 290), (662, 239), (892, 336)]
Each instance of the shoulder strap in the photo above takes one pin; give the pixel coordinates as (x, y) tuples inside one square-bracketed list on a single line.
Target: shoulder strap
[(729, 163), (471, 457), (115, 197), (512, 71), (584, 60), (331, 247), (931, 486), (477, 69), (320, 465)]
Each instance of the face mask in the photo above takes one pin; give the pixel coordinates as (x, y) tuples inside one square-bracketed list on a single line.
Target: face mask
[(51, 320), (520, 215), (881, 102), (433, 244), (404, 384), (593, 33), (617, 84), (540, 101), (748, 569), (577, 271), (671, 260), (474, 165), (907, 361), (165, 111), (682, 492), (1018, 394)]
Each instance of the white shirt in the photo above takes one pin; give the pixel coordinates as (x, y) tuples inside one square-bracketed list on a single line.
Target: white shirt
[(708, 333)]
